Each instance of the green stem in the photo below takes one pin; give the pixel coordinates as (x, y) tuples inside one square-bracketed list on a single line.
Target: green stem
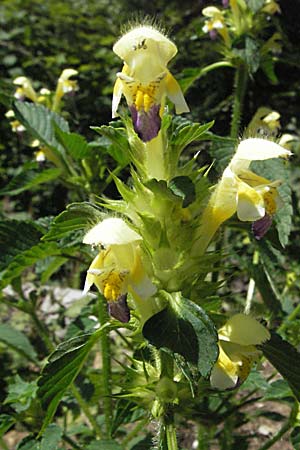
[(106, 367), (171, 435), (205, 70), (290, 318), (240, 84), (168, 430), (85, 408)]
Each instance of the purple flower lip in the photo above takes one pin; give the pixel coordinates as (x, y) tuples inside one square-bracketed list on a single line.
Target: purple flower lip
[(261, 226), (119, 309), (146, 124)]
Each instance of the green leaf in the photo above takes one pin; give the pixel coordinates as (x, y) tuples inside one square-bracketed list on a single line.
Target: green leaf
[(15, 237), (51, 437), (39, 121), (29, 178), (184, 328), (266, 287), (295, 438), (186, 133), (20, 394), (286, 359), (117, 145), (26, 259), (183, 187), (277, 390), (62, 368), (18, 341), (28, 443), (105, 444), (74, 144), (6, 422), (77, 216)]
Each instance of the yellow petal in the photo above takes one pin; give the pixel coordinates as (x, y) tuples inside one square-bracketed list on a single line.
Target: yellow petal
[(111, 231), (66, 74), (175, 94), (146, 51), (250, 206), (244, 330), (256, 149), (117, 94), (223, 201)]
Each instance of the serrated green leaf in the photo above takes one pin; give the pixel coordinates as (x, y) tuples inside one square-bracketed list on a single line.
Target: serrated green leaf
[(186, 133), (6, 422), (39, 121), (15, 237), (77, 216), (105, 444), (286, 359), (26, 259), (184, 328), (18, 341), (29, 179), (51, 437), (20, 394), (183, 187), (52, 264), (119, 147), (62, 368), (74, 144), (295, 438)]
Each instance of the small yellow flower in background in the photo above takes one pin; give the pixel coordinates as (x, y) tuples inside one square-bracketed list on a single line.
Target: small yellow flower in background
[(237, 351), (215, 23), (145, 80), (252, 197), (16, 126), (118, 267), (64, 86), (25, 89)]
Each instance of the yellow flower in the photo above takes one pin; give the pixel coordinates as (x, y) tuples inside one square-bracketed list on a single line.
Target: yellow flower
[(118, 267), (215, 23), (237, 351), (64, 86), (145, 80), (252, 197), (25, 89)]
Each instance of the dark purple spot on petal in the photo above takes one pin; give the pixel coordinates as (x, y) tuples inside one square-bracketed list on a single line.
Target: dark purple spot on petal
[(119, 309), (146, 124), (261, 226)]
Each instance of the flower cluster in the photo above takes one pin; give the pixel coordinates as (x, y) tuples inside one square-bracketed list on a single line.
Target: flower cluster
[(157, 242)]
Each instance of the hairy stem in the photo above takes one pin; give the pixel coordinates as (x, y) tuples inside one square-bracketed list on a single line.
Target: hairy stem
[(106, 367), (240, 84), (85, 408)]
